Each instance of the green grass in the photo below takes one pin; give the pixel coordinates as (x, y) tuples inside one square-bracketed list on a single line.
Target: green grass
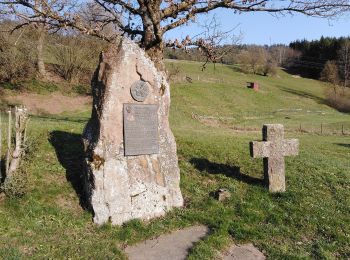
[(284, 99), (44, 87), (310, 220)]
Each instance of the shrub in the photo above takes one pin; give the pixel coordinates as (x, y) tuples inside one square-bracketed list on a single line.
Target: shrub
[(39, 87), (330, 73), (253, 60), (173, 72), (16, 187), (73, 55), (3, 102), (82, 89), (16, 61), (338, 98), (270, 69)]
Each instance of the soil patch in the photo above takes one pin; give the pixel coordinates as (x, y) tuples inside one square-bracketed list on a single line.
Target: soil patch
[(54, 103)]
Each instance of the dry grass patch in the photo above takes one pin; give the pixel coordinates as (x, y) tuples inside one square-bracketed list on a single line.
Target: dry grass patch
[(54, 103)]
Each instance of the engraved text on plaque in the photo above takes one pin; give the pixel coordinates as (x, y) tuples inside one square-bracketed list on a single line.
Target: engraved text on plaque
[(140, 129)]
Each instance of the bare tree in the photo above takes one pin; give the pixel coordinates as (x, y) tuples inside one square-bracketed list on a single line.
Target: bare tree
[(344, 60), (213, 43), (147, 21), (16, 54), (330, 75), (253, 59), (36, 21)]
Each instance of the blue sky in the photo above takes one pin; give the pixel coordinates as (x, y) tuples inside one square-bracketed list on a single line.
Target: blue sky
[(263, 28)]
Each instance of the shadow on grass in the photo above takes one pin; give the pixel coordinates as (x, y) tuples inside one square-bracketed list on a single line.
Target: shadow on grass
[(2, 170), (303, 94), (304, 72), (70, 153), (235, 68), (63, 119), (203, 164), (343, 145)]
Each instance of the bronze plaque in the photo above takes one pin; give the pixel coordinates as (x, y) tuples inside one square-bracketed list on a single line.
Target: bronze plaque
[(139, 90), (140, 129)]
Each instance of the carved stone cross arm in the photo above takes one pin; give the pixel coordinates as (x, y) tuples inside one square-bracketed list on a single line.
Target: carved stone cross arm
[(290, 147), (260, 149)]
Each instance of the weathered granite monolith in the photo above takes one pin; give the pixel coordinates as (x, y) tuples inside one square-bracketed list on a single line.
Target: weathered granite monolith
[(131, 162)]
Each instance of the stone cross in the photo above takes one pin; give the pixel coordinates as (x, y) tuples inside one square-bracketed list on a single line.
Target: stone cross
[(273, 149)]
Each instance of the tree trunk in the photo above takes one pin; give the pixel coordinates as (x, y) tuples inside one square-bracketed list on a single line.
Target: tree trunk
[(156, 53), (152, 40), (40, 52)]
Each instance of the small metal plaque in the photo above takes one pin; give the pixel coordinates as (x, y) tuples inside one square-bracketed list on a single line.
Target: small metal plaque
[(139, 90), (140, 129)]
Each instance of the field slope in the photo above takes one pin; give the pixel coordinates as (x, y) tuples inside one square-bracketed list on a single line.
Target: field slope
[(213, 119)]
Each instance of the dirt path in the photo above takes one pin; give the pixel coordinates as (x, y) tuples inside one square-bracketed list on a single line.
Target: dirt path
[(55, 103)]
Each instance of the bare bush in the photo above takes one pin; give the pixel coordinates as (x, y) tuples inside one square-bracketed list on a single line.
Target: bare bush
[(17, 187), (16, 61), (282, 55), (330, 73), (15, 183), (339, 100), (270, 68), (173, 72), (256, 60), (344, 62), (73, 55)]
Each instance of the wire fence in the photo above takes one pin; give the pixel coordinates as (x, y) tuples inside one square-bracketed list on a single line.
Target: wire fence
[(186, 79), (321, 129), (254, 124)]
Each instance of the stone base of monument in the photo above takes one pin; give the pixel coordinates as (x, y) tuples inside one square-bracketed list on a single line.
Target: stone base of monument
[(131, 163)]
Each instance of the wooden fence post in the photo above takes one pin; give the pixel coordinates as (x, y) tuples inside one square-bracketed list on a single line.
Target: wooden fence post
[(0, 149), (342, 129), (321, 128), (9, 133), (21, 121)]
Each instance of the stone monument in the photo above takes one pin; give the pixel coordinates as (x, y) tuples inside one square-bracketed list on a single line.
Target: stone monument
[(131, 168), (273, 149)]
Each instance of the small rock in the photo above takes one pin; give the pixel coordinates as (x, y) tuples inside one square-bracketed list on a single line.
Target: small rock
[(222, 194), (243, 252)]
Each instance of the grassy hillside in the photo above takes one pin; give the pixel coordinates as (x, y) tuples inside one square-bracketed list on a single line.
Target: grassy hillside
[(220, 93), (310, 220)]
